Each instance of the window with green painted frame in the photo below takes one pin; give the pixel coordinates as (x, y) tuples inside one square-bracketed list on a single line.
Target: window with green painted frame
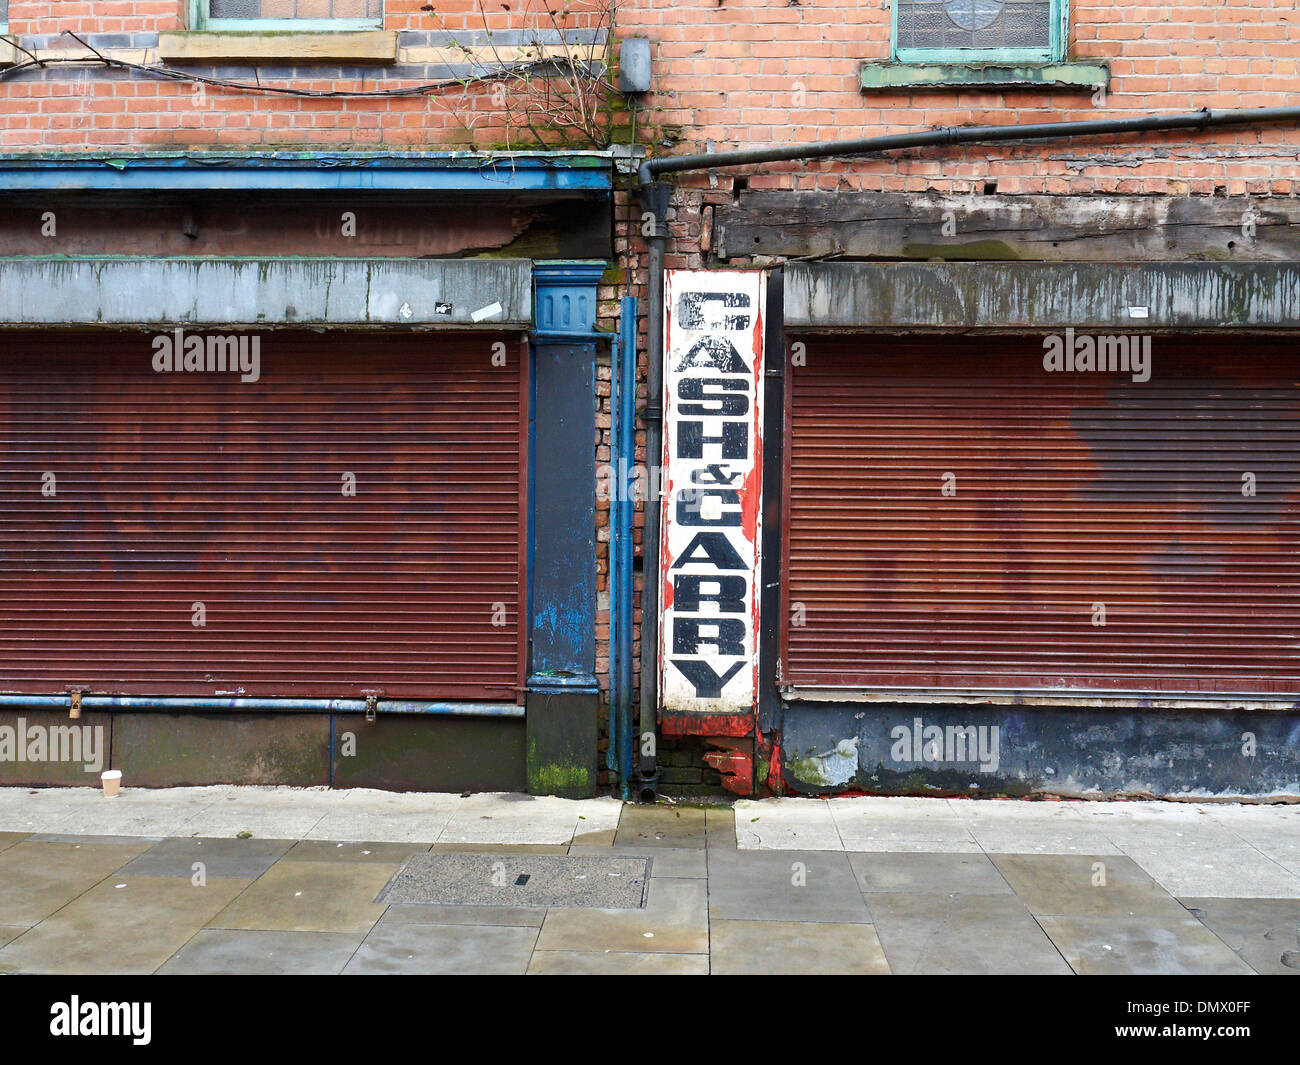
[(4, 16), (308, 15), (980, 31)]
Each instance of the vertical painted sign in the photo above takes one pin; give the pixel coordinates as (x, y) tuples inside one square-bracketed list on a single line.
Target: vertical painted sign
[(712, 490)]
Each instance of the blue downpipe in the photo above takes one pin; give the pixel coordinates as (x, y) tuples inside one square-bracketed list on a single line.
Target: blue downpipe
[(626, 448)]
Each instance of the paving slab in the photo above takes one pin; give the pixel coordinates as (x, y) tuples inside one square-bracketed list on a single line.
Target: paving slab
[(320, 850), (615, 963), (1212, 866), (428, 913), (902, 824), (520, 880), (963, 935), (38, 878), (223, 952), (720, 826), (675, 921), (1264, 933), (786, 824), (8, 839), (1032, 828), (444, 950), (258, 822), (365, 814), (310, 897), (1142, 946), (1085, 885), (86, 837), (778, 948), (679, 863), (663, 826), (1282, 847), (204, 811), (126, 925), (928, 874), (816, 886), (524, 819), (345, 825), (11, 931), (243, 859), (603, 838), (499, 848)]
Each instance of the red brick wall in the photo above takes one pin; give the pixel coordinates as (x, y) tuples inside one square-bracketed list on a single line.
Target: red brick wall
[(89, 109), (772, 71)]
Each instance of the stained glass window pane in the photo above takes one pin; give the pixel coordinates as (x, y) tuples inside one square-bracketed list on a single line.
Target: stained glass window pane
[(976, 24)]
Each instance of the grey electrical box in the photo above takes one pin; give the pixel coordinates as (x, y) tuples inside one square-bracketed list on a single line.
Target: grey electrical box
[(634, 65)]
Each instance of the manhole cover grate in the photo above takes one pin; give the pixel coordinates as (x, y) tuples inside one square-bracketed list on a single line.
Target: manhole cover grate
[(520, 880)]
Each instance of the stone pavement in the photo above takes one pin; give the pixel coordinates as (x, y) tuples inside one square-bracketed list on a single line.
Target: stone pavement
[(160, 881)]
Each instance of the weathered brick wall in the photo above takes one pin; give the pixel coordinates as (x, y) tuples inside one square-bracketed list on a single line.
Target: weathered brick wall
[(72, 106), (773, 72)]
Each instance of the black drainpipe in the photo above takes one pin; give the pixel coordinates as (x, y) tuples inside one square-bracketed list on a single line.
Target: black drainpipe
[(928, 138), (655, 201)]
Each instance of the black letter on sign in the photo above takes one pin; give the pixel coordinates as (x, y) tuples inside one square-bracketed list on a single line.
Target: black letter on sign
[(717, 551), (734, 440), (707, 684), (729, 641), (715, 405), (730, 595), (690, 507), (717, 352), (690, 310)]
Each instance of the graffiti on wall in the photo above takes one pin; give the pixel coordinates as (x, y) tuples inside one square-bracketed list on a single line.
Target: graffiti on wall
[(712, 490)]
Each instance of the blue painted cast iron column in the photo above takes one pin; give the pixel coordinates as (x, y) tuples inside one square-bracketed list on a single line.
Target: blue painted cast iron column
[(563, 697)]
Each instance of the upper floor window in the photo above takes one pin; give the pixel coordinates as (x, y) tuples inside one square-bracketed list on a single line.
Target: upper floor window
[(289, 14), (979, 30), (4, 15)]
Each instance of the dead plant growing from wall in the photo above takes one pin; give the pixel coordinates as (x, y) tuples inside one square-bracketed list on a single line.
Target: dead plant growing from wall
[(548, 91)]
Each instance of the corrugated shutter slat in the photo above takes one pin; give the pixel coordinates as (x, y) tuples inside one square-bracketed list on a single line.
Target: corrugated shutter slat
[(183, 488), (1067, 490)]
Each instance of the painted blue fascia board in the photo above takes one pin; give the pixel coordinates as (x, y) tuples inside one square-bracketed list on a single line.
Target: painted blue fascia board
[(308, 172)]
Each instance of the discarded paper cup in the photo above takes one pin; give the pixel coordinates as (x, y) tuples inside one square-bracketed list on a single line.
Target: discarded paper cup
[(112, 780)]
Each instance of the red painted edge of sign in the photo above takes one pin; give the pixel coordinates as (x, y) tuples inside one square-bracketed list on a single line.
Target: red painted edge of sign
[(678, 723)]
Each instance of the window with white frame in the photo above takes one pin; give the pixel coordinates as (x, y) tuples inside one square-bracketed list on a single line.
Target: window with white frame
[(289, 14), (979, 30)]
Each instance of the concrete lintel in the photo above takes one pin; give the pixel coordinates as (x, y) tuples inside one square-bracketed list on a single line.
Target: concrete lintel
[(1040, 296), (209, 46), (1065, 76), (389, 293)]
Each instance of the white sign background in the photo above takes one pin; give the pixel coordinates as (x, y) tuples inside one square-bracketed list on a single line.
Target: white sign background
[(711, 506)]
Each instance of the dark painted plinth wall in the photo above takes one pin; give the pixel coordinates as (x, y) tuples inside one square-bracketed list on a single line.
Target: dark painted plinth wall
[(1079, 752), (155, 749), (563, 698)]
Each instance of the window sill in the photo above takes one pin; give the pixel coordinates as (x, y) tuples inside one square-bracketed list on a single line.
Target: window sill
[(1068, 76), (9, 55), (335, 46)]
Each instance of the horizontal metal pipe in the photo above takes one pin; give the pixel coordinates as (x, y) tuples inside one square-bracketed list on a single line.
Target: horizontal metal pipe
[(941, 135), (334, 706)]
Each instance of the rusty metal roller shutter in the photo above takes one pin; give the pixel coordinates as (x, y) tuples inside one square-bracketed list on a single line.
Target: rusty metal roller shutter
[(1068, 494), (176, 489)]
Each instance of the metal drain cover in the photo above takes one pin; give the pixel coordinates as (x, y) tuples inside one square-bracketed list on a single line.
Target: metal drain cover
[(530, 881)]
